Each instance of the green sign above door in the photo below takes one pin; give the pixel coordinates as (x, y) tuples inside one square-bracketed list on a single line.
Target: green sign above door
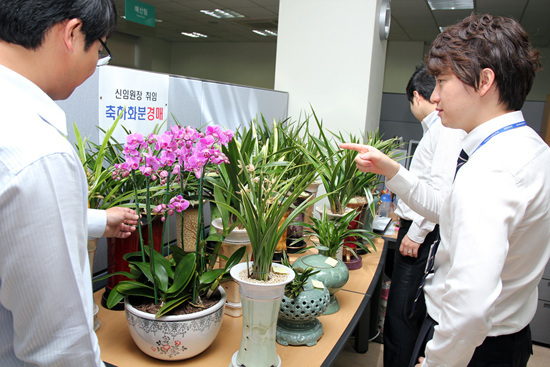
[(138, 12)]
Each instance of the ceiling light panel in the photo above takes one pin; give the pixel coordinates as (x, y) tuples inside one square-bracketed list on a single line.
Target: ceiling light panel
[(222, 13), (450, 4), (265, 33), (194, 34)]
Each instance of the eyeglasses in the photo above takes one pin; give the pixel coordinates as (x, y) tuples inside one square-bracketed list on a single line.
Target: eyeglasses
[(104, 55)]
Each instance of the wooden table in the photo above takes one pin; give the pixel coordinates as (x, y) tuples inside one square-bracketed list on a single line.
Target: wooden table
[(118, 348)]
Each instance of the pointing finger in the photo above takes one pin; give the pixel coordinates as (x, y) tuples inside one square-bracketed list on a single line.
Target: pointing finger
[(353, 146)]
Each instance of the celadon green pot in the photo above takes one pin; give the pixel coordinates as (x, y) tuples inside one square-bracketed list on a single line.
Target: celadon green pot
[(298, 317), (333, 277)]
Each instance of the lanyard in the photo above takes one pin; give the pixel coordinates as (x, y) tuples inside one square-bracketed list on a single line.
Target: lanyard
[(52, 125), (505, 128)]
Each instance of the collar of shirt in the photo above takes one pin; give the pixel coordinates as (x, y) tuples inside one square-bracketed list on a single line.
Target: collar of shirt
[(18, 87), (477, 135), (429, 121)]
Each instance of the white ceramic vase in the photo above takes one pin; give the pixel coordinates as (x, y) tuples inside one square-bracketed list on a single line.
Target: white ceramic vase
[(261, 303), (173, 338)]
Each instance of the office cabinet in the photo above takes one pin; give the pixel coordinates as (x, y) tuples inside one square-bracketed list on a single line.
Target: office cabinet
[(540, 326)]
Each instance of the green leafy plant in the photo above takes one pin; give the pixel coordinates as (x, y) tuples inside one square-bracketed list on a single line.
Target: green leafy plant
[(334, 233), (98, 162), (337, 169), (175, 277), (263, 192), (294, 288)]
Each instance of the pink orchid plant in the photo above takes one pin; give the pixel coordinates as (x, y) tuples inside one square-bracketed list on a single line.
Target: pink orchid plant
[(168, 161)]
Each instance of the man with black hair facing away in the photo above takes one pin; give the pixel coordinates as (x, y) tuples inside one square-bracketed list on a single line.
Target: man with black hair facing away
[(47, 49)]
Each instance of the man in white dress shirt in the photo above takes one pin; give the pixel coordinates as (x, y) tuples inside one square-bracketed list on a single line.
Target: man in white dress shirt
[(495, 221), (433, 163), (47, 49)]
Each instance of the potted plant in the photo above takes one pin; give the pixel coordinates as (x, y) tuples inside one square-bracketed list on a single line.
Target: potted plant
[(183, 281), (337, 169), (330, 235), (267, 190), (297, 133), (304, 300), (225, 226)]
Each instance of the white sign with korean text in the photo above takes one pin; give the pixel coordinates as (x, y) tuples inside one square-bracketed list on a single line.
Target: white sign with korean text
[(140, 96)]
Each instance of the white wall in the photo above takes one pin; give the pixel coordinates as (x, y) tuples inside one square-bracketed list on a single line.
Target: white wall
[(123, 49), (335, 70), (401, 61), (240, 63)]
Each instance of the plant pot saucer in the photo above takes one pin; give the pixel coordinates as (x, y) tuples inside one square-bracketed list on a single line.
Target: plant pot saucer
[(292, 249), (354, 263), (299, 334)]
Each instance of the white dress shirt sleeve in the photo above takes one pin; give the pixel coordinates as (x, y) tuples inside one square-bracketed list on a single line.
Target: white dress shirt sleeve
[(419, 196), (97, 222), (433, 163)]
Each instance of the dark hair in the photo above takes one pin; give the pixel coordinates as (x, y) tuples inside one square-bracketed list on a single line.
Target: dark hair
[(486, 41), (422, 82), (25, 22)]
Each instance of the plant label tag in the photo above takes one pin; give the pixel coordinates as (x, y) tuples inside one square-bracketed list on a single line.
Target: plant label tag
[(317, 284), (279, 270), (332, 262)]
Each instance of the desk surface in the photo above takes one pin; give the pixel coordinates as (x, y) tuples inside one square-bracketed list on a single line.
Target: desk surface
[(118, 348)]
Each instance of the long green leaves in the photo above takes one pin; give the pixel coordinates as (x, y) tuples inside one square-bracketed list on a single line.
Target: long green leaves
[(265, 190), (333, 232), (337, 168), (98, 162)]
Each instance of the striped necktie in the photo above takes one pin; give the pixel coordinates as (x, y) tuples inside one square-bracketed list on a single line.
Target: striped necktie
[(462, 158)]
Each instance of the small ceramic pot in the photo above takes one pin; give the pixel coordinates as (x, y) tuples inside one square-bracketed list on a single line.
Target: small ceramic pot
[(334, 277), (298, 323)]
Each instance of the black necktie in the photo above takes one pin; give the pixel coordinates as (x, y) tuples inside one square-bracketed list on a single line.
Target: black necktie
[(462, 158)]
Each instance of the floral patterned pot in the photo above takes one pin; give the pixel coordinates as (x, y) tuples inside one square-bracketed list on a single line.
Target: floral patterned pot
[(174, 338)]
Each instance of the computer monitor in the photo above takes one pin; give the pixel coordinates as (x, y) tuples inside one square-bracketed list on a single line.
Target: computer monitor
[(410, 151)]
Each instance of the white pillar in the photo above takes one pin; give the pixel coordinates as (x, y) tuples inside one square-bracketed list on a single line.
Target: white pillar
[(330, 56)]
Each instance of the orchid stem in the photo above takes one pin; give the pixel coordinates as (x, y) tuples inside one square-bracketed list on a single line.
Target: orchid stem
[(139, 217), (151, 243)]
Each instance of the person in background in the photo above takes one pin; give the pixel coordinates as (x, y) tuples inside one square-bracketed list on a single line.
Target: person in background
[(495, 220), (433, 163), (47, 49)]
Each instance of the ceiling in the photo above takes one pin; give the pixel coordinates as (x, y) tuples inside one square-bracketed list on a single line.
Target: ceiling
[(412, 20)]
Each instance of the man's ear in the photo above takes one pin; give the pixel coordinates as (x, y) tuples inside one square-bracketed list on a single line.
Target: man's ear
[(71, 31), (486, 81), (416, 97)]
